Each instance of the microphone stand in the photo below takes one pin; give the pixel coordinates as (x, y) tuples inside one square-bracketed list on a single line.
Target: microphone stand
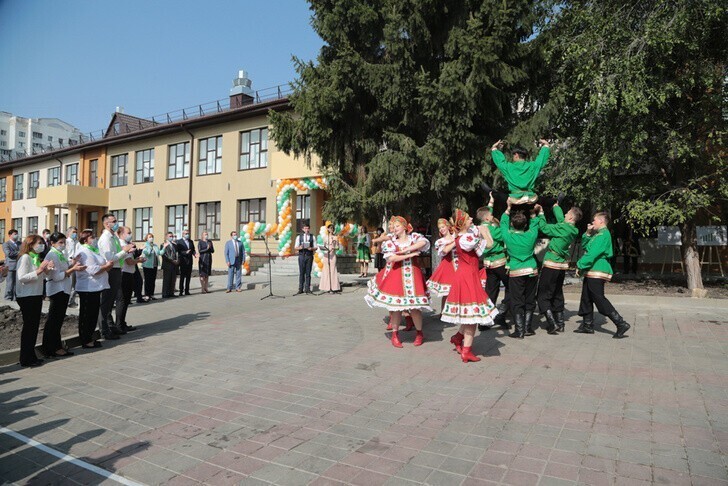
[(270, 274)]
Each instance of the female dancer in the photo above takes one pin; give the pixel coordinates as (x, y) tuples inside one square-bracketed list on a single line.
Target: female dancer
[(443, 277), (329, 276), (468, 304), (206, 249), (400, 286)]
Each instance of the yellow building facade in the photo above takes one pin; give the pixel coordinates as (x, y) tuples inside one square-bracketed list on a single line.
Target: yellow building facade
[(217, 172)]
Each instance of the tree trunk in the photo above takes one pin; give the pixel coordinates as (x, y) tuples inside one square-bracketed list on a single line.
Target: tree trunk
[(691, 258)]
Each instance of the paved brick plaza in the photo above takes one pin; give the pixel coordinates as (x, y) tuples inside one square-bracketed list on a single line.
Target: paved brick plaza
[(226, 389)]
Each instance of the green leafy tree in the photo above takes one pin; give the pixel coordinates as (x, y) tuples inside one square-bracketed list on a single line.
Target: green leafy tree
[(637, 93), (404, 98)]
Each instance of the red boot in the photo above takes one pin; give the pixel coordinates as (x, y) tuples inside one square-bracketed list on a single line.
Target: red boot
[(389, 323), (457, 341), (395, 340), (420, 337), (468, 356), (410, 323)]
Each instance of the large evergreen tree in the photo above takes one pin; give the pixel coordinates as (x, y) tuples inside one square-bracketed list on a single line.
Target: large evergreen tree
[(404, 99), (635, 90)]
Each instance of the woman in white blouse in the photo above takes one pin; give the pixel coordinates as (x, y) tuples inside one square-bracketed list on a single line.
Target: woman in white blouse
[(58, 290), (29, 291), (89, 285)]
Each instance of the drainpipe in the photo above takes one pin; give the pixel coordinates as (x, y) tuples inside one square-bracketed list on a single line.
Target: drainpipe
[(192, 171)]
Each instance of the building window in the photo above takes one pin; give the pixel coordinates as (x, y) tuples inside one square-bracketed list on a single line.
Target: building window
[(3, 143), (55, 223), (251, 210), (54, 176), (93, 222), (65, 222), (120, 215), (33, 183), (21, 144), (3, 189), (2, 231), (72, 174), (18, 187), (254, 149), (37, 136), (33, 225), (60, 141), (210, 156), (208, 219), (144, 166), (18, 226), (142, 223), (93, 173), (21, 134), (50, 139), (303, 211), (179, 161), (177, 219), (118, 170), (3, 132)]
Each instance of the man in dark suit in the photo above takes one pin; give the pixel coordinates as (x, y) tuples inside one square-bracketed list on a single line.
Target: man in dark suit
[(11, 248), (170, 261), (186, 252), (305, 243), (234, 258)]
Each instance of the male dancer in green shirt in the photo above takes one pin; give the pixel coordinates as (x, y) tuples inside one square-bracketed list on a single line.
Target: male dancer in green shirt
[(594, 266), (494, 262), (556, 262), (521, 174), (520, 237)]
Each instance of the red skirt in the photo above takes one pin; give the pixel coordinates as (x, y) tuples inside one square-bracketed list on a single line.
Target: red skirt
[(443, 278), (483, 277), (399, 287), (467, 302)]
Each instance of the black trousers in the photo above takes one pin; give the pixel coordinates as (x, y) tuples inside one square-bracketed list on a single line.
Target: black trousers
[(124, 298), (592, 293), (551, 290), (492, 285), (138, 285), (185, 274), (169, 278), (108, 297), (54, 322), (30, 308), (150, 277), (88, 314), (305, 264), (523, 294)]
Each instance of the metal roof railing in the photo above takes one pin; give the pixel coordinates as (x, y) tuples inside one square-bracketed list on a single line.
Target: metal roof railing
[(197, 111)]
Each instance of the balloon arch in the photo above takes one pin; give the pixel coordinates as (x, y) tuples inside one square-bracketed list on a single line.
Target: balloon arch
[(283, 228)]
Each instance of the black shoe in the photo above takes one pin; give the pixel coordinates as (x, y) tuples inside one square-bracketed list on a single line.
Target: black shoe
[(188, 292), (520, 330), (308, 292), (32, 364), (181, 294), (500, 320), (587, 325), (118, 330), (95, 345), (126, 328), (551, 329), (110, 336), (559, 316), (299, 292), (528, 320), (622, 326), (483, 327), (486, 188)]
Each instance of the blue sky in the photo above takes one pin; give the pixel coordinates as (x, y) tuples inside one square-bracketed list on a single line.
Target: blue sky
[(79, 59)]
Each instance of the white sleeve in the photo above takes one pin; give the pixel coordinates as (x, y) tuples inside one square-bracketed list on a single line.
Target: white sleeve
[(440, 246), (56, 274), (468, 241), (389, 249), (416, 238)]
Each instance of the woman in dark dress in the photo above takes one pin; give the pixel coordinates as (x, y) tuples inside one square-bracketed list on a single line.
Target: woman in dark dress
[(205, 249)]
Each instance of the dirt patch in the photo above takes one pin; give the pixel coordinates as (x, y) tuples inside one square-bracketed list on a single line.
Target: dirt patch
[(663, 286), (11, 324)]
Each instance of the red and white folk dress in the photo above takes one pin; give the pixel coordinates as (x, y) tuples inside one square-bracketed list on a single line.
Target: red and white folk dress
[(444, 275), (399, 286), (467, 302)]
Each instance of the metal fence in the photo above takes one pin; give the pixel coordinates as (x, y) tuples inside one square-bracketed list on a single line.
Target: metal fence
[(212, 107)]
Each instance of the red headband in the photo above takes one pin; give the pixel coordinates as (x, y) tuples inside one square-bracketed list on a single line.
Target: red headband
[(401, 220)]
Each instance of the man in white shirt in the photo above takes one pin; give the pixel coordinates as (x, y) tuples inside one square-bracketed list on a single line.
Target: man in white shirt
[(70, 254), (111, 249), (305, 244)]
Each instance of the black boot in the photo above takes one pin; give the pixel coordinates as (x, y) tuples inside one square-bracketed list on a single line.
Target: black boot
[(486, 188), (622, 326), (528, 321), (559, 321), (483, 327), (520, 330), (500, 319), (552, 322), (587, 325)]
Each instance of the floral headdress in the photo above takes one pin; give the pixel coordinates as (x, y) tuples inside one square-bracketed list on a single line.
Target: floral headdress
[(459, 219), (403, 221)]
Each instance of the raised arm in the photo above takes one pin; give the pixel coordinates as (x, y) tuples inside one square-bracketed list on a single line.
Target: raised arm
[(543, 155), (558, 213), (598, 246)]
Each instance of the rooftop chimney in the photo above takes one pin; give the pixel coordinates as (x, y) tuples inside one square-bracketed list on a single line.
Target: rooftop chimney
[(119, 109), (241, 94)]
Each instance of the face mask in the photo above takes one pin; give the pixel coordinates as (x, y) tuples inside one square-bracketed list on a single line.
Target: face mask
[(186, 237), (74, 236), (15, 237), (92, 242), (127, 238), (61, 247), (150, 240), (170, 239), (115, 227), (46, 236), (39, 248), (235, 237)]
